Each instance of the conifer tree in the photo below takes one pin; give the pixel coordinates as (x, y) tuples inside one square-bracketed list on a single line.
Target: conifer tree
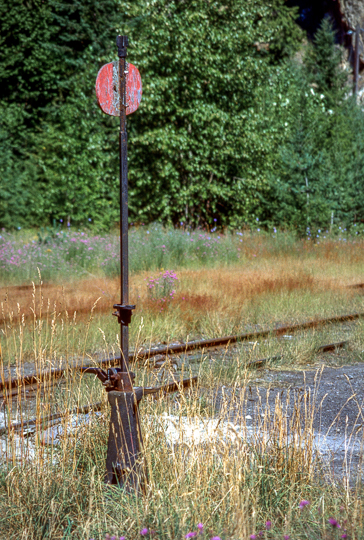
[(323, 64)]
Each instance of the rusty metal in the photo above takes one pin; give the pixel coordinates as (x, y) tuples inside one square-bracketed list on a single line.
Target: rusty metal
[(43, 421), (113, 379), (171, 387), (257, 364), (124, 462), (32, 381), (123, 313), (332, 346), (249, 336), (144, 355), (124, 310)]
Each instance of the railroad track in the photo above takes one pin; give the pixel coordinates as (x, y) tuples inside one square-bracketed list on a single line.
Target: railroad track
[(42, 422), (159, 353)]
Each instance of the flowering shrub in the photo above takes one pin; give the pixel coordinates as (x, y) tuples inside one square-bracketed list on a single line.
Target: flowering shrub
[(163, 287)]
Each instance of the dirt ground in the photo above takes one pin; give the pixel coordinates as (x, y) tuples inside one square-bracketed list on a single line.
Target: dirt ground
[(337, 396)]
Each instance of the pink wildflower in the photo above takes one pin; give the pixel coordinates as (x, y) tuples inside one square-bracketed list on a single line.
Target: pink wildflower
[(191, 534), (200, 527), (268, 525), (144, 532), (334, 523), (303, 504)]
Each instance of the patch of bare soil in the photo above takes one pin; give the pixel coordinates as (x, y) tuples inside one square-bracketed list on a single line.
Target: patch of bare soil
[(337, 397)]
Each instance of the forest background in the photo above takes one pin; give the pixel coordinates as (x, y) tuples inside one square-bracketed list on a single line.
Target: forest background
[(241, 119)]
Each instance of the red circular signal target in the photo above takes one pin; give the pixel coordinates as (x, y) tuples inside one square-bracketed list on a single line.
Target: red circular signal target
[(108, 88)]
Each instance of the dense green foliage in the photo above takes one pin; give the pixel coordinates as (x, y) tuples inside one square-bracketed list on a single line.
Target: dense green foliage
[(320, 165), (231, 127), (49, 55), (200, 142)]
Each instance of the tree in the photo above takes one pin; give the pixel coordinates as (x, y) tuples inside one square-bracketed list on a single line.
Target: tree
[(200, 145), (44, 54), (323, 64)]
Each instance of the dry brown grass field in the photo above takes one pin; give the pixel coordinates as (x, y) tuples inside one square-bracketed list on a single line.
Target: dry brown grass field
[(207, 463)]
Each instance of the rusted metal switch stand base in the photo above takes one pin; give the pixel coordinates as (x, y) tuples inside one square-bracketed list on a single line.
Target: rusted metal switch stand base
[(124, 462)]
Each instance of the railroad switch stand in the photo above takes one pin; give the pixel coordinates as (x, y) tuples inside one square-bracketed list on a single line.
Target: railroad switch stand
[(118, 91)]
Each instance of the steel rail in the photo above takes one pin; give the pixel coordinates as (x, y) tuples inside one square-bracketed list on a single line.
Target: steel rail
[(323, 349), (176, 386), (166, 350), (31, 389)]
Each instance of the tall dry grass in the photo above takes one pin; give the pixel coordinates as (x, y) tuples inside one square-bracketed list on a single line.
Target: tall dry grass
[(233, 482), (221, 301), (206, 463)]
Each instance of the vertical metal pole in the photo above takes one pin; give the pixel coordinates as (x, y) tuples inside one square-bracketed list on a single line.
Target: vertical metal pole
[(356, 60), (122, 43)]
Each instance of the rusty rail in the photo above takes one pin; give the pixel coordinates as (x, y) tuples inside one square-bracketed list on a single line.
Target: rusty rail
[(149, 390), (323, 349), (223, 341)]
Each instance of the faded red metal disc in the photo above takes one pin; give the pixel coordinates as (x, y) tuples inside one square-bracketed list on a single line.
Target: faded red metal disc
[(108, 88)]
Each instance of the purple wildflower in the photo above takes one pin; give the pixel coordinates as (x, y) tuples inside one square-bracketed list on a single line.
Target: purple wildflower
[(268, 525), (200, 527), (253, 537), (334, 523), (216, 538), (144, 532), (303, 504), (122, 538), (191, 534), (286, 537), (344, 535)]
